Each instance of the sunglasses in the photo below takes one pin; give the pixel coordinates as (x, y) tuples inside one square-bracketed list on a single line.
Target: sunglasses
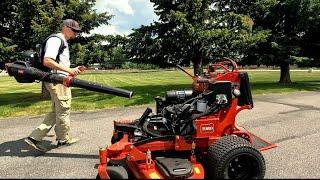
[(74, 30)]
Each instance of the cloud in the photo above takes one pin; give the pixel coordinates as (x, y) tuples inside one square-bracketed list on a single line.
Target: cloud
[(129, 14), (104, 29), (109, 29), (113, 6)]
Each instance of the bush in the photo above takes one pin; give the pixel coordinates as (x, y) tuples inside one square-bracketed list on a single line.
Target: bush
[(131, 65)]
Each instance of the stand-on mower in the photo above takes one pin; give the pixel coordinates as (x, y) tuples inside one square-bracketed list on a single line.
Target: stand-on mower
[(192, 134)]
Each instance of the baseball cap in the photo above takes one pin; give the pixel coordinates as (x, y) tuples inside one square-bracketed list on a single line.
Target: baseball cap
[(72, 24)]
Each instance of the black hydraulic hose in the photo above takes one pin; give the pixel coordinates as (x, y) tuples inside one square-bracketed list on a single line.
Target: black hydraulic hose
[(146, 130), (191, 100), (214, 109)]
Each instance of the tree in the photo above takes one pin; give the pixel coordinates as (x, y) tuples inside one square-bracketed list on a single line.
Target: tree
[(104, 49), (25, 23), (294, 26), (310, 34), (7, 50), (144, 46), (196, 31)]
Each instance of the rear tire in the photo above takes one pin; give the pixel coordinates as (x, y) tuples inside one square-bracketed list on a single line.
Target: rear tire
[(232, 157), (116, 172)]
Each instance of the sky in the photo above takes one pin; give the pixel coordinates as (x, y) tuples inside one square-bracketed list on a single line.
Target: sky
[(128, 14)]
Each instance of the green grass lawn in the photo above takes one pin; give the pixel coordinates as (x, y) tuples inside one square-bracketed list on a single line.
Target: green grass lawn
[(24, 99)]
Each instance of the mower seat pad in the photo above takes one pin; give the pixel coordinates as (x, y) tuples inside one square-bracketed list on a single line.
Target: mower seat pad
[(174, 167)]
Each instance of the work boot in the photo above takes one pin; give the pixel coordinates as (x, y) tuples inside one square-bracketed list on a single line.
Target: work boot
[(35, 144), (67, 142)]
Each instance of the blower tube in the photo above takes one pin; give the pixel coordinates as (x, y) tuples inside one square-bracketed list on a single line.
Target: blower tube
[(24, 73)]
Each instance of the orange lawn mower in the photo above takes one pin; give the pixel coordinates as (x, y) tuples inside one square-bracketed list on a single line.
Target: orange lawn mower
[(192, 134)]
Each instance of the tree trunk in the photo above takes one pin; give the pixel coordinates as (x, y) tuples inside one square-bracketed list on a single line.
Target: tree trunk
[(44, 92), (285, 73), (197, 66)]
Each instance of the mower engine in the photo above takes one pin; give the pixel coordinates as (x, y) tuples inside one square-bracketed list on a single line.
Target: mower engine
[(192, 134)]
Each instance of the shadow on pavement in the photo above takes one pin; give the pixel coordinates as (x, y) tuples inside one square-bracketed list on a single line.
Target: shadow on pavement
[(19, 148)]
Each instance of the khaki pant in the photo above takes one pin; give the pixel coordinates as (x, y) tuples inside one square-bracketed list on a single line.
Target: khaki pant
[(59, 116)]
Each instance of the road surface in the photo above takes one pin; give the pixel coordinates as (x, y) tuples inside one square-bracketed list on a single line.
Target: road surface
[(292, 121)]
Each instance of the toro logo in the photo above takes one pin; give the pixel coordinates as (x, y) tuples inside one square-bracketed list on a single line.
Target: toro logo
[(207, 128)]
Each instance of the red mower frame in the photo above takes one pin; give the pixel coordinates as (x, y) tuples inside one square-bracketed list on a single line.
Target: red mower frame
[(138, 156)]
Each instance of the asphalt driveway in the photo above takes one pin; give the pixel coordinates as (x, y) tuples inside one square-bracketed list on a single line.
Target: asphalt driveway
[(292, 121)]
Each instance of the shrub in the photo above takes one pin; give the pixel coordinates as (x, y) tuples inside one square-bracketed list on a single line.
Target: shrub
[(131, 65)]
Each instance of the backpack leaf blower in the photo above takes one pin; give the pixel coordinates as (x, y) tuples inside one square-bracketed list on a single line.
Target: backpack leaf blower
[(24, 73)]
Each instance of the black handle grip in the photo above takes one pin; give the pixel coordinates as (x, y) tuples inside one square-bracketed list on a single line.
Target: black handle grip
[(144, 116)]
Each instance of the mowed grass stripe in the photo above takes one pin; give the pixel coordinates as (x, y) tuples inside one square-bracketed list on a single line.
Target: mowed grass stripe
[(138, 79), (24, 99)]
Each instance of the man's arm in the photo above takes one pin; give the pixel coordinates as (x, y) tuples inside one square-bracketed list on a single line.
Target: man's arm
[(52, 64), (52, 49)]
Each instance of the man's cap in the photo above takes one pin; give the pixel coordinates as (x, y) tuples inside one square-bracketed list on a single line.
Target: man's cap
[(72, 24)]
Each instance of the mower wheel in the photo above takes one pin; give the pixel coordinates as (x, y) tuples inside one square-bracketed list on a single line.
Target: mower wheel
[(232, 157), (116, 172)]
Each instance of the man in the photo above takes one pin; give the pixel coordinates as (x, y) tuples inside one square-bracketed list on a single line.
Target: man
[(60, 94)]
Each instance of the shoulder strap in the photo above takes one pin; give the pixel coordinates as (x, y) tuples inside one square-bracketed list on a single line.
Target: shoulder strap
[(61, 48)]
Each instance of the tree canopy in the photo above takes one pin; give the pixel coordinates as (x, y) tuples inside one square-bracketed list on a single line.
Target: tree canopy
[(196, 30), (25, 23), (271, 32), (294, 38)]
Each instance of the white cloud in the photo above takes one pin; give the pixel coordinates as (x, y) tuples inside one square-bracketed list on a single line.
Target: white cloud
[(109, 29), (140, 1), (104, 30), (128, 14), (114, 5)]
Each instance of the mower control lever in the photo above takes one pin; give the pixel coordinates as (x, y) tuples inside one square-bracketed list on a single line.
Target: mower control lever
[(183, 70), (144, 116), (223, 64)]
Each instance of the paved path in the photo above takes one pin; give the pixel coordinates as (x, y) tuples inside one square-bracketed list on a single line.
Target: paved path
[(291, 120)]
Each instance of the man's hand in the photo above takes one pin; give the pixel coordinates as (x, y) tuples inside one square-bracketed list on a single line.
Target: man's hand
[(75, 71), (52, 64)]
